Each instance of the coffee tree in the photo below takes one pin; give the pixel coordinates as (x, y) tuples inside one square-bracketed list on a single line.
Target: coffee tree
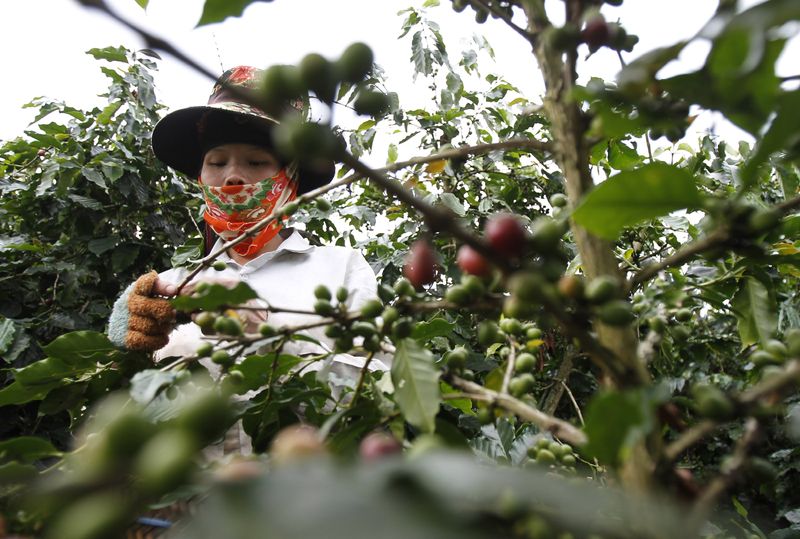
[(592, 320)]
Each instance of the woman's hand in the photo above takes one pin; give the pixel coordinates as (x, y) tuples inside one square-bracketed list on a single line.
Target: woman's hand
[(142, 317)]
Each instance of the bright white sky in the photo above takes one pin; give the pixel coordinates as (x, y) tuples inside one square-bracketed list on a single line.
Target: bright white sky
[(44, 44)]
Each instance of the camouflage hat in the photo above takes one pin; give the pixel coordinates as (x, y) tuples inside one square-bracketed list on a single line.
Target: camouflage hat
[(182, 137)]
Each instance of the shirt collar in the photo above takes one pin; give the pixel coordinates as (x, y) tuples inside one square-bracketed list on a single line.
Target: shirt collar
[(294, 243)]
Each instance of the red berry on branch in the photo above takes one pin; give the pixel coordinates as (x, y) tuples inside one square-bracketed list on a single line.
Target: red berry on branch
[(378, 445), (420, 266), (506, 235), (471, 261), (596, 33)]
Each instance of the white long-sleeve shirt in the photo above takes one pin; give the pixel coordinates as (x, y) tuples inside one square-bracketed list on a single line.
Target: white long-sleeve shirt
[(286, 278)]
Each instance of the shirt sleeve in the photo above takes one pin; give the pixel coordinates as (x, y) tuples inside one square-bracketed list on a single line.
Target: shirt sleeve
[(360, 281)]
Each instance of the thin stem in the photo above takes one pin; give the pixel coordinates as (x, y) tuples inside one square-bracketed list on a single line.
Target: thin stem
[(512, 364), (491, 8), (561, 429), (574, 402), (361, 377)]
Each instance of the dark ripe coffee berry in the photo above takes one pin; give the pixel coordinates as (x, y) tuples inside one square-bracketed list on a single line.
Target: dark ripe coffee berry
[(472, 262), (420, 266), (596, 33), (506, 235)]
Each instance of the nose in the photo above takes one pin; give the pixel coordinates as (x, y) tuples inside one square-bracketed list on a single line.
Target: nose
[(234, 175)]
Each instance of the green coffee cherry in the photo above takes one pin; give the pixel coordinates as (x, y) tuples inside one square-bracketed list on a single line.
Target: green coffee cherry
[(402, 328), (545, 457), (227, 326), (322, 205), (546, 234), (525, 362), (683, 315), (372, 343), (485, 416), (458, 294), (322, 292), (712, 402), (355, 63), (341, 294), (386, 293), (616, 313), (488, 333), (558, 200), (792, 339), (521, 384), (267, 331), (372, 308), (511, 326), (456, 358), (219, 265), (205, 320), (602, 289), (776, 348), (473, 285), (344, 343), (533, 333), (205, 349), (334, 331), (363, 329), (762, 358), (403, 287), (319, 76), (371, 103), (390, 316), (324, 308), (222, 358)]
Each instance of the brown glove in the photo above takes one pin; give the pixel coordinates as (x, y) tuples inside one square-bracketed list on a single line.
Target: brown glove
[(139, 319)]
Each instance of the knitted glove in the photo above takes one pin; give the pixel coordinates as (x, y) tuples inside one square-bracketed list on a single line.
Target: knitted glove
[(139, 321)]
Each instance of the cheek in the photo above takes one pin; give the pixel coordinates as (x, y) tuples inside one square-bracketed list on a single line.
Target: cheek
[(211, 176)]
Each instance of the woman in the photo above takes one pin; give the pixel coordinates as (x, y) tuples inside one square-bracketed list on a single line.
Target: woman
[(227, 146)]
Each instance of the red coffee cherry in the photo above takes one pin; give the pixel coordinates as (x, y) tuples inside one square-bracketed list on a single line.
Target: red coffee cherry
[(506, 235), (596, 33), (378, 445), (472, 262), (420, 266)]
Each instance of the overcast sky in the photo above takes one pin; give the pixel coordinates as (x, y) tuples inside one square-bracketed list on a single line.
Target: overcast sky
[(44, 44)]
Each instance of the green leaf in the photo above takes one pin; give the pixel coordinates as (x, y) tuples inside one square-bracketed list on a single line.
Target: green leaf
[(105, 116), (258, 369), (629, 197), (755, 312), (15, 473), (191, 250), (215, 296), (112, 54), (123, 256), (416, 384), (436, 327), (623, 157), (464, 405), (143, 3), (219, 10), (610, 441), (7, 332), (782, 133), (145, 385), (27, 449), (453, 204), (101, 245), (81, 347), (17, 393)]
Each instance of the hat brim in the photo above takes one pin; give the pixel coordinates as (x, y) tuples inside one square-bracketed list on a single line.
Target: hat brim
[(180, 139)]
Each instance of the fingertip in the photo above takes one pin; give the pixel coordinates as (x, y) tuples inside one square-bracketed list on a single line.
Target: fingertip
[(170, 289)]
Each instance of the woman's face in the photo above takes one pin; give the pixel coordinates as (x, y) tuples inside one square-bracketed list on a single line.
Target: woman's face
[(238, 164)]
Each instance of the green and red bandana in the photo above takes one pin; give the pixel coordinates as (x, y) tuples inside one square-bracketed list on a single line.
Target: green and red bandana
[(231, 210)]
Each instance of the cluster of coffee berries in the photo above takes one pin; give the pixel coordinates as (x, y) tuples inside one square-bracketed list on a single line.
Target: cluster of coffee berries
[(496, 7), (284, 84), (127, 460), (552, 454)]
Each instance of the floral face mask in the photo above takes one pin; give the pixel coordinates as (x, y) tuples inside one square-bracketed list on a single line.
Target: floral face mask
[(233, 209)]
